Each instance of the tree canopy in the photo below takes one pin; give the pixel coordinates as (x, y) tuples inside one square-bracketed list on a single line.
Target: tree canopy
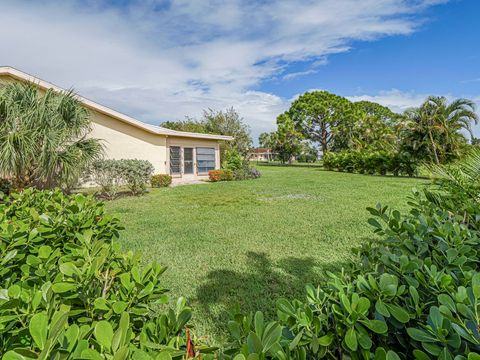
[(317, 113), (223, 122), (433, 132)]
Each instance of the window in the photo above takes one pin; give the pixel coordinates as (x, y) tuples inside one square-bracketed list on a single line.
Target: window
[(175, 160), (205, 159), (187, 160)]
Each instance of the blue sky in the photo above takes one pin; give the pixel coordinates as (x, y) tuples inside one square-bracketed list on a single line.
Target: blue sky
[(161, 60), (441, 57)]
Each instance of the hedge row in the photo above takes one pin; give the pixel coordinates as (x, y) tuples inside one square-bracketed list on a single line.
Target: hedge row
[(111, 175), (371, 162), (243, 173)]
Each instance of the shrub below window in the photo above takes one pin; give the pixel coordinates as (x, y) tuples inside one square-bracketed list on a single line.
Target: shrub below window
[(220, 175), (111, 175), (371, 162), (161, 180)]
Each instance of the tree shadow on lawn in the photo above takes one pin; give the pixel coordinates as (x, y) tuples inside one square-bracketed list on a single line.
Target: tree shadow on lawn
[(258, 288)]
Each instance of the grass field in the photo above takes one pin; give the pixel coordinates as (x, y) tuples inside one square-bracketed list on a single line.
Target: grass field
[(250, 242)]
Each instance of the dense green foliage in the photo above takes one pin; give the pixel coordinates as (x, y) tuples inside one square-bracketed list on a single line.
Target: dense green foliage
[(378, 162), (160, 180), (250, 242), (235, 167), (430, 133), (43, 137), (67, 291), (286, 142), (111, 175)]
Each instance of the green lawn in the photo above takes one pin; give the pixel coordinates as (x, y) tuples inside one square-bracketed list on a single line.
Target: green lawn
[(250, 242)]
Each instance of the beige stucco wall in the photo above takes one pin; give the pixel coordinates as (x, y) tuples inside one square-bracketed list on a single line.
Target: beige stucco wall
[(124, 141)]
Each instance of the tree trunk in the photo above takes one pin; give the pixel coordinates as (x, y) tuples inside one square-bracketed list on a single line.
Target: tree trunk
[(323, 140), (434, 147)]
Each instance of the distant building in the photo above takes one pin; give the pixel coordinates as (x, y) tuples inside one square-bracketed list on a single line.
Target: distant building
[(262, 154)]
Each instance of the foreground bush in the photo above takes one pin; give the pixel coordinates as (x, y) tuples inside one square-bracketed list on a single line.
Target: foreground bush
[(67, 291), (161, 180), (111, 175), (414, 294), (371, 162)]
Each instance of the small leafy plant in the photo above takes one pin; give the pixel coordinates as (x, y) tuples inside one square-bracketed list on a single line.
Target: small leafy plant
[(161, 180)]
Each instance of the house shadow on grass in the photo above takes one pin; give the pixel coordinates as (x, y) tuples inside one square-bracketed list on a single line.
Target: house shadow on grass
[(258, 288)]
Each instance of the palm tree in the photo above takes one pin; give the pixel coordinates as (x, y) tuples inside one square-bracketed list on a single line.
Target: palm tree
[(434, 128), (43, 137)]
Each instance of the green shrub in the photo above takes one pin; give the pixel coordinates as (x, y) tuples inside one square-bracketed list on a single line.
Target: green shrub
[(413, 294), (67, 291), (111, 175), (227, 175), (246, 172), (107, 175), (371, 162), (137, 174), (161, 180), (220, 175), (232, 160)]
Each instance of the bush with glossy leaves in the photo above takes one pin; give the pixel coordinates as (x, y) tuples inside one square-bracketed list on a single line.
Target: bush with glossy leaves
[(68, 291)]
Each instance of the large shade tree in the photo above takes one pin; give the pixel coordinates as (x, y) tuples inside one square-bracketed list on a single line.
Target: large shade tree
[(43, 137), (433, 131), (317, 114)]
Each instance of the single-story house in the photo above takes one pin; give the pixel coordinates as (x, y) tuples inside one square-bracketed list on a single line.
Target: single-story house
[(181, 154), (262, 154)]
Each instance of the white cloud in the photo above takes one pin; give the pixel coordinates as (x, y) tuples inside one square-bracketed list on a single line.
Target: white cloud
[(396, 100), (294, 75), (162, 60)]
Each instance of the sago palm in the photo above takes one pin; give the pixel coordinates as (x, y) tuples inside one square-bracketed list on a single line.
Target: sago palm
[(43, 137)]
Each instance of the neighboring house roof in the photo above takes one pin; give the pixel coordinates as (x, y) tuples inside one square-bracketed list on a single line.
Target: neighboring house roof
[(262, 150), (20, 75)]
